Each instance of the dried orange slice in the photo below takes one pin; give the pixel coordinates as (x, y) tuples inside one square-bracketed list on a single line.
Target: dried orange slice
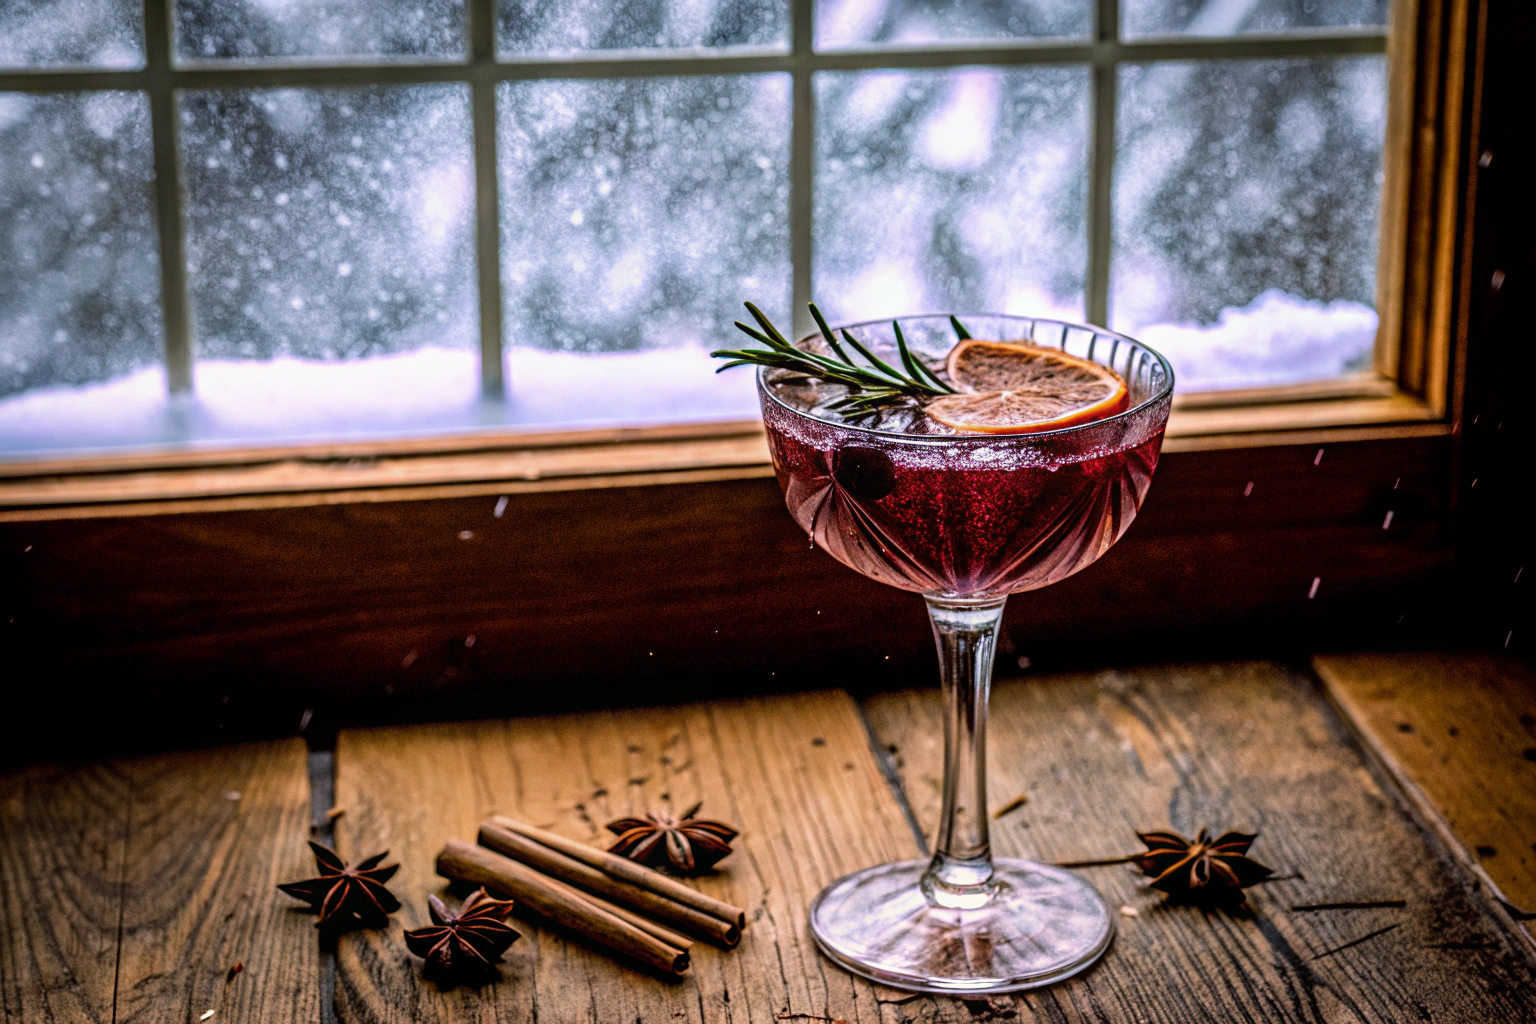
[(1021, 389)]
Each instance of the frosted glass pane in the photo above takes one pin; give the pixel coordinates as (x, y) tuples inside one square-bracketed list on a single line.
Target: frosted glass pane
[(299, 29), (640, 213), (80, 284), (566, 26), (329, 224), (1246, 204), (72, 33), (1235, 17), (853, 23), (951, 190)]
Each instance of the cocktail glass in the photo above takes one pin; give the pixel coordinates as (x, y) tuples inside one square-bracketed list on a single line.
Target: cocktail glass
[(965, 520)]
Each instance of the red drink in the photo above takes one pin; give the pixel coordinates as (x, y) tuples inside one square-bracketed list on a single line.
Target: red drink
[(962, 515)]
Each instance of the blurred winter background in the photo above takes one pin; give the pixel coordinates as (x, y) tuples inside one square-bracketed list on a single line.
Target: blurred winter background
[(330, 232)]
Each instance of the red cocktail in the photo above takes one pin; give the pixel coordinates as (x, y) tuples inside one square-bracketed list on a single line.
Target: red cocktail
[(965, 519)]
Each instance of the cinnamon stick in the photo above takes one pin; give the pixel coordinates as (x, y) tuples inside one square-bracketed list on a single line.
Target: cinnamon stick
[(646, 925), (568, 869), (464, 862), (626, 870), (677, 940)]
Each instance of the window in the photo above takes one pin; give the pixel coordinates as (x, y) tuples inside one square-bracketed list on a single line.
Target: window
[(259, 220)]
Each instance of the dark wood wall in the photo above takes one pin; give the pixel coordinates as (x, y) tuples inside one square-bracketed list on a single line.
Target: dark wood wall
[(1497, 460), (189, 627)]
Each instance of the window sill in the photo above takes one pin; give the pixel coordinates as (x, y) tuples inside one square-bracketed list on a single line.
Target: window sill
[(512, 463)]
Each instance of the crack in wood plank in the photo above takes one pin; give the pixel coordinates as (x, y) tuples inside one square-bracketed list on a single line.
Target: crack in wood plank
[(130, 887), (1456, 731), (1249, 746), (808, 811)]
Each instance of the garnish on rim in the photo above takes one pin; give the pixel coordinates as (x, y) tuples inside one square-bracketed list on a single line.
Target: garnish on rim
[(1015, 389), (993, 387), (870, 387)]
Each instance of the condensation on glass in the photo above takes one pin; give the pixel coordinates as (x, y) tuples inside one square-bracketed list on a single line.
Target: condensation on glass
[(1236, 17), (80, 286), (1246, 205), (639, 213), (72, 33), (855, 23), (307, 30), (329, 224), (541, 27), (961, 189)]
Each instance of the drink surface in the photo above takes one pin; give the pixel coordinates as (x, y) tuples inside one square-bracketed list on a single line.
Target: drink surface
[(926, 509)]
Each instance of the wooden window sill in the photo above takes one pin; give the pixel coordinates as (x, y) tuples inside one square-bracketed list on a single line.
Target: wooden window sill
[(190, 844), (510, 463)]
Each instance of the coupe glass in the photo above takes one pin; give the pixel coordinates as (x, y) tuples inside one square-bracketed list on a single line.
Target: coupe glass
[(966, 520)]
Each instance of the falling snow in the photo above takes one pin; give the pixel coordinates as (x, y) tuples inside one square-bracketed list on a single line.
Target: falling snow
[(1245, 201), (951, 190), (330, 232), (72, 33), (1228, 17), (566, 26), (80, 291), (256, 29), (851, 23), (329, 224), (640, 213)]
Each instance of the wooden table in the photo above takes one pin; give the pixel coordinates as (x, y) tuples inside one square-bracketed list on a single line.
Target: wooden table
[(129, 889)]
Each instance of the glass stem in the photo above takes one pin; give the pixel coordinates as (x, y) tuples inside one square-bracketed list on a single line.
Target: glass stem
[(960, 875)]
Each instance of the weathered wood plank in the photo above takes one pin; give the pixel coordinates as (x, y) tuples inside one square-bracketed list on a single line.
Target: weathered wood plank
[(129, 888), (795, 773), (319, 607), (1247, 746), (211, 833), (63, 832), (1460, 732)]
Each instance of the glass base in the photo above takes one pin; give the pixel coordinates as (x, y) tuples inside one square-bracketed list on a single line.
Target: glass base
[(1043, 924)]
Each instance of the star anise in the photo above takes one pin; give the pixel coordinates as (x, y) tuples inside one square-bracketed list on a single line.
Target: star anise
[(465, 946), (687, 845), (1203, 871), (347, 895)]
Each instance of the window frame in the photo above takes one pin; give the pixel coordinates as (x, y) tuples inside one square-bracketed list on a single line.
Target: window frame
[(1410, 392)]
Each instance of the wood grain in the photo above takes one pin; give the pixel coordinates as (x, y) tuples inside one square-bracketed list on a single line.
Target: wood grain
[(161, 483), (794, 772), (366, 609), (1245, 746), (63, 832), (131, 887), (1460, 730), (572, 463), (199, 889)]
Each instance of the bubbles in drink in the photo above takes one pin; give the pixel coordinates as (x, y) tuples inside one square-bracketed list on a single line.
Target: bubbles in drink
[(911, 502)]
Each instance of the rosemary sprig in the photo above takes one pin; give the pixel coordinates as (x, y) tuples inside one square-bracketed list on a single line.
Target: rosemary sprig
[(872, 384)]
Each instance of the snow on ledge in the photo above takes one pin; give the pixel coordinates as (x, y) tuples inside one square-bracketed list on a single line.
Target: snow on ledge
[(426, 391), (1277, 338)]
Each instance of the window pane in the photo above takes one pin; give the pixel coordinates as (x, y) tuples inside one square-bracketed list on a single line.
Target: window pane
[(300, 29), (636, 216), (72, 33), (1234, 17), (80, 290), (1246, 206), (853, 23), (326, 228), (958, 190), (566, 26)]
